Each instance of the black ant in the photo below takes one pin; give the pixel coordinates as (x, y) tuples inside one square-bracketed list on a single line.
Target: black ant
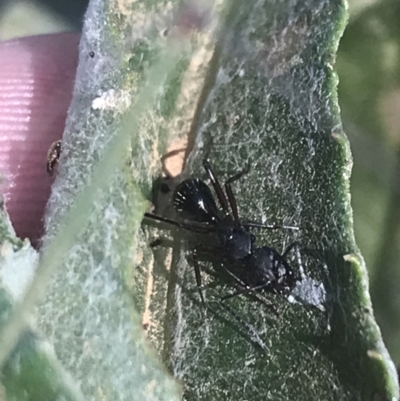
[(255, 269), (53, 155)]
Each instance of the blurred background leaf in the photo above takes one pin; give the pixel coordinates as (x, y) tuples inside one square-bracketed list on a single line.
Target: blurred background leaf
[(369, 70)]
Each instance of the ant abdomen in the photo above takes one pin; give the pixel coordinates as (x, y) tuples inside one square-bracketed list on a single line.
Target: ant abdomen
[(268, 271), (194, 201)]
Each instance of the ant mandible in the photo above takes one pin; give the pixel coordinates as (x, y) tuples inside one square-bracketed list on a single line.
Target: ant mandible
[(254, 268)]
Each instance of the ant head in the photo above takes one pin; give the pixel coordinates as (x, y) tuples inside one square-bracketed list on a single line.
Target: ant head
[(193, 200)]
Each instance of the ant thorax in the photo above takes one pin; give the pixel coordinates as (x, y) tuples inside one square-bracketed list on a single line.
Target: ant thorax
[(236, 240)]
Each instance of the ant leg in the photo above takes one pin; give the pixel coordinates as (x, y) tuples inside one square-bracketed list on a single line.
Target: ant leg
[(217, 187), (232, 199), (170, 154), (290, 248), (198, 276), (163, 219), (245, 290), (270, 226), (249, 328), (229, 192), (295, 245), (235, 277), (192, 226)]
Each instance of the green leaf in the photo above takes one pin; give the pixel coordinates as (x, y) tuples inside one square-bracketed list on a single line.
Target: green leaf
[(31, 372), (88, 312), (242, 82), (274, 105), (369, 96)]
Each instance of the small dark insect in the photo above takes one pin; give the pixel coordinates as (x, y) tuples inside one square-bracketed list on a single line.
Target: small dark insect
[(91, 54), (53, 155), (253, 268)]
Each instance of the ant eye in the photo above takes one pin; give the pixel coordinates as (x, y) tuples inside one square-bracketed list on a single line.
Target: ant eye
[(164, 188)]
